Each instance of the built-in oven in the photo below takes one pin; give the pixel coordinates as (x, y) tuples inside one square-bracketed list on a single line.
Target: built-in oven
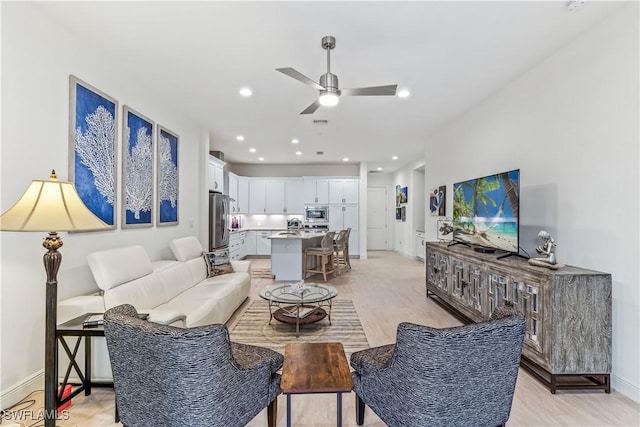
[(316, 214)]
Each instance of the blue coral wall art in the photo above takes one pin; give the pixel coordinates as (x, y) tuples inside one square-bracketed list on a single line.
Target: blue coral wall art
[(167, 182), (92, 148), (137, 169)]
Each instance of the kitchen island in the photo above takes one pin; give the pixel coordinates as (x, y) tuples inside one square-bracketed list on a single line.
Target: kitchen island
[(287, 252)]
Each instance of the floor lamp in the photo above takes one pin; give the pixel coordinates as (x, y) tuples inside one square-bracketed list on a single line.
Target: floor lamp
[(45, 206)]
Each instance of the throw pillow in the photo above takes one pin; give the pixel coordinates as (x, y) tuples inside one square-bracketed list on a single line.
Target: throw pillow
[(218, 262)]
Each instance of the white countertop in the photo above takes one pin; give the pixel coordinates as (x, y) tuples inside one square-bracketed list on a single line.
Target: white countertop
[(303, 235)]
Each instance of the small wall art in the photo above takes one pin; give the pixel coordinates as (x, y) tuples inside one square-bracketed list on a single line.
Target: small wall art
[(438, 201), (137, 169), (404, 195), (398, 195), (93, 127), (167, 182), (403, 213), (398, 214)]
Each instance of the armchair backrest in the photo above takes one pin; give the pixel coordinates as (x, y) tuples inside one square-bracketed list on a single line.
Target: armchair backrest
[(173, 376), (463, 375)]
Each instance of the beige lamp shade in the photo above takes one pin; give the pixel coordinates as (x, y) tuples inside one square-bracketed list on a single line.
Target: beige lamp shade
[(50, 206)]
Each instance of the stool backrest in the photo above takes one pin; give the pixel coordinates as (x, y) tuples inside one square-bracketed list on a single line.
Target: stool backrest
[(327, 241)]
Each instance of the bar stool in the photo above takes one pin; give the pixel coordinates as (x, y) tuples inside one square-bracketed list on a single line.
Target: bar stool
[(346, 251), (340, 251), (325, 253)]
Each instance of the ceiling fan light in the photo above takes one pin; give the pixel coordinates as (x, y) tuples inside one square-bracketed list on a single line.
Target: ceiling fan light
[(328, 99)]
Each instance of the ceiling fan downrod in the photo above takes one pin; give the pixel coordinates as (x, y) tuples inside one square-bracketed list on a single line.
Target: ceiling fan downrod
[(329, 81)]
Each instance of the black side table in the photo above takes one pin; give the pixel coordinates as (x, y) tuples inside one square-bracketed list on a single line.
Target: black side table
[(75, 328)]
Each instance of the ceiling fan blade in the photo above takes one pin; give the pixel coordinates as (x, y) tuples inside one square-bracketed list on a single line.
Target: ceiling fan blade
[(312, 108), (300, 77), (370, 91)]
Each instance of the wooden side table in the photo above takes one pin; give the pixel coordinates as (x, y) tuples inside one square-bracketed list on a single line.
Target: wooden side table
[(315, 368)]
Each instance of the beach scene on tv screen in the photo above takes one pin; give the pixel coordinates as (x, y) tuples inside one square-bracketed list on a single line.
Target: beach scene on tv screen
[(485, 211)]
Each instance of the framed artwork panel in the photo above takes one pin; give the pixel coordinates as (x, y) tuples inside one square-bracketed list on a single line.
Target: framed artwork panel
[(137, 169), (438, 201), (93, 118), (167, 177)]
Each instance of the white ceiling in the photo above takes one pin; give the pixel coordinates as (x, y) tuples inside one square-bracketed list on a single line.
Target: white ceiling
[(450, 55)]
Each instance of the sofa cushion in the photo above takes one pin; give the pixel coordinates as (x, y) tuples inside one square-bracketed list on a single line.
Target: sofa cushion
[(218, 262), (143, 293), (176, 279), (113, 267), (186, 248)]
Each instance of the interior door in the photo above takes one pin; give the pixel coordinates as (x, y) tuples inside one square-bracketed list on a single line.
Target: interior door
[(377, 218)]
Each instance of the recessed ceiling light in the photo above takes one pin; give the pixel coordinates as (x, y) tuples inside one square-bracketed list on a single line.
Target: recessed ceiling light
[(261, 159), (246, 92), (252, 150), (240, 138), (294, 141), (379, 169), (346, 159), (394, 158), (403, 93), (298, 153)]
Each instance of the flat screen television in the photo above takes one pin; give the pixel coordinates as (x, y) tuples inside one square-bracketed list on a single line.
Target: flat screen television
[(485, 212)]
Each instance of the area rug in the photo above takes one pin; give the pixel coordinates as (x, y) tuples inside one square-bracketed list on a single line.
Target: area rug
[(253, 328), (261, 272)]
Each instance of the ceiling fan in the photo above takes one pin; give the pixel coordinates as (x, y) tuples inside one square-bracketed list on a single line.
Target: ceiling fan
[(328, 86)]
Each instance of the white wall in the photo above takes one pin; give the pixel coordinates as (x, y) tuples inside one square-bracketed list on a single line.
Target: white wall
[(316, 169), (404, 233), (571, 126), (37, 58)]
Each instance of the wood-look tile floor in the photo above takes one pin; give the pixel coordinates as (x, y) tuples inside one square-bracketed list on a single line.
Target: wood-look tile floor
[(387, 289)]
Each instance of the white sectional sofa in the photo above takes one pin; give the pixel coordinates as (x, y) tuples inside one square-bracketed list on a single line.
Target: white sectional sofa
[(176, 292)]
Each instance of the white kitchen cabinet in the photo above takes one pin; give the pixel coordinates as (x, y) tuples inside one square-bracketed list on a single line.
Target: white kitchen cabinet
[(234, 246), (257, 196), (233, 193), (263, 244), (275, 196), (294, 196), (421, 248), (250, 243), (343, 191), (243, 195), (242, 244), (316, 191), (216, 175), (343, 217)]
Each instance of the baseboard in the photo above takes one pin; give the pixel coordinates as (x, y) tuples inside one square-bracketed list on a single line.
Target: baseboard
[(19, 391), (625, 387)]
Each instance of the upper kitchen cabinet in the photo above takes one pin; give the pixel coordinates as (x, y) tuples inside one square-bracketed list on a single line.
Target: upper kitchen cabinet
[(216, 175), (257, 196), (294, 196), (243, 195), (233, 193), (274, 190), (316, 191), (343, 191)]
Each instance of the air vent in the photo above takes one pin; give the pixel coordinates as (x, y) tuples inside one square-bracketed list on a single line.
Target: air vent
[(319, 153), (320, 122), (375, 171)]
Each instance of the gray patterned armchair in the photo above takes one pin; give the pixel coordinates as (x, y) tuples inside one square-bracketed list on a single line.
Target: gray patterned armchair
[(167, 376), (460, 376)]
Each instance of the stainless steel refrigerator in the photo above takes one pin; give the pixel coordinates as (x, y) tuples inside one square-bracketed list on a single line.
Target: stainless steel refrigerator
[(218, 221)]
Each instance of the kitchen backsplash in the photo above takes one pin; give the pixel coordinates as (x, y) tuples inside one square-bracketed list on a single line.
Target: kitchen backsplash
[(265, 221)]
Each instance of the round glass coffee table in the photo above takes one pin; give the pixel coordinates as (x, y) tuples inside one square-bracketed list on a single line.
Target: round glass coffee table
[(289, 305)]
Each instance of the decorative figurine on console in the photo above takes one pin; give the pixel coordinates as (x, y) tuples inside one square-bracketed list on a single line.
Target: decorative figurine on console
[(547, 248)]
